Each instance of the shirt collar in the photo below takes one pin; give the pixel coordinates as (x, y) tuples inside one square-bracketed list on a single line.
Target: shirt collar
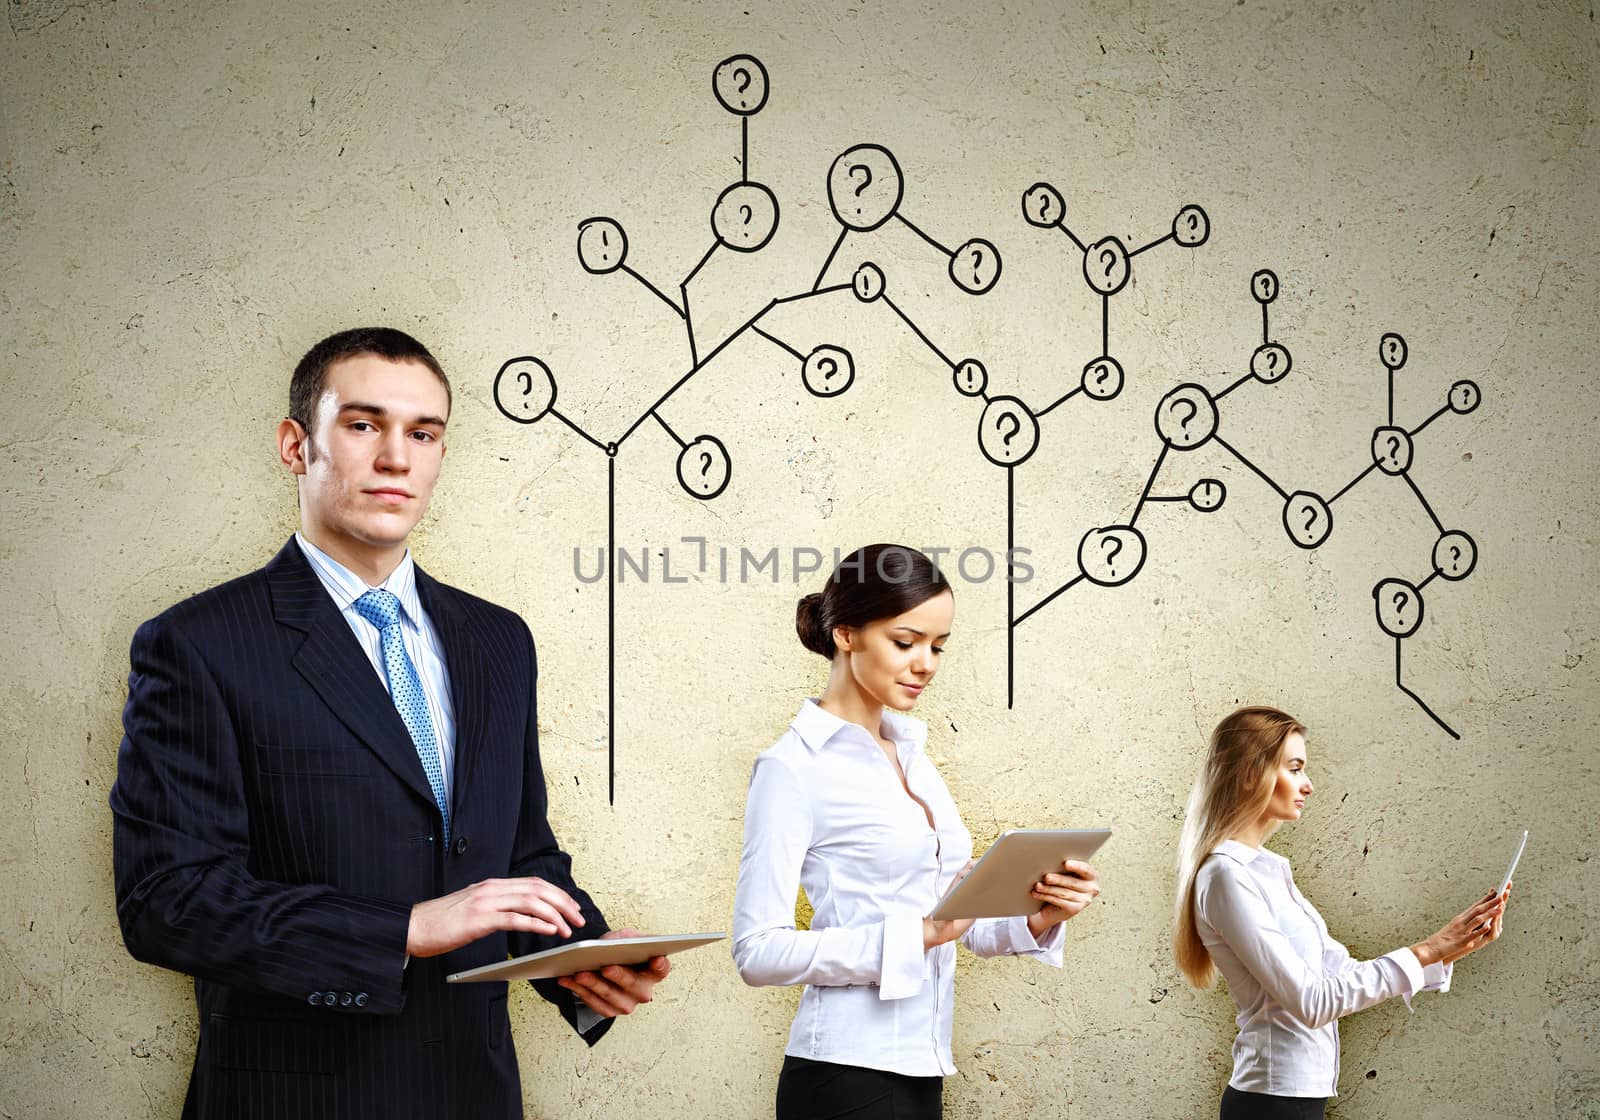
[(1241, 852), (817, 727), (346, 587)]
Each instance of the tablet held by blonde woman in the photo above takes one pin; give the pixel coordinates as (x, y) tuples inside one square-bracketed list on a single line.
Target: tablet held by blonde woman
[(1239, 912)]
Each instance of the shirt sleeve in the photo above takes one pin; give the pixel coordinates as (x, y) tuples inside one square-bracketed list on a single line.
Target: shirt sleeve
[(1317, 997), (1001, 937), (767, 948)]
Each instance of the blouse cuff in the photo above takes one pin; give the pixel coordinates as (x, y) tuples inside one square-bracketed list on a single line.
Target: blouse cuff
[(1024, 944), (903, 957), (1411, 969)]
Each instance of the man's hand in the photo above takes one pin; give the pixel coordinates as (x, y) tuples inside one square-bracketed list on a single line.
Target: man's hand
[(617, 989), (524, 905)]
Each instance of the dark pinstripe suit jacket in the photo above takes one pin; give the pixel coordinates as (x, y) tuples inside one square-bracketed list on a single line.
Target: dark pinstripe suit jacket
[(273, 827)]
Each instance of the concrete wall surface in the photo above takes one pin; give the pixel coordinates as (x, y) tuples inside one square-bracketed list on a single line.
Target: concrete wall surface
[(191, 194)]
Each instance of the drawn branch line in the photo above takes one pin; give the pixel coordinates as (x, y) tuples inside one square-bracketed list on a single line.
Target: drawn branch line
[(1399, 644), (1265, 477), (1149, 482)]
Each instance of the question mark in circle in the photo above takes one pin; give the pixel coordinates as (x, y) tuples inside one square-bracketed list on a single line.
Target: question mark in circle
[(741, 79), (744, 215), (1194, 221), (1115, 544), (1104, 372), (1394, 449), (1455, 557), (1272, 360), (1044, 207), (828, 366), (705, 463), (527, 383), (1016, 426), (1311, 519), (1194, 410), (866, 173), (1400, 600), (1107, 260), (977, 264)]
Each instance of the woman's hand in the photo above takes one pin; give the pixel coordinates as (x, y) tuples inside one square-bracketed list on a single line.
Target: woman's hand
[(937, 933), (1467, 932), (1063, 895)]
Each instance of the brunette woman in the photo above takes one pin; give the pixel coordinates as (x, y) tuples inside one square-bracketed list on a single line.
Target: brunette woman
[(847, 805)]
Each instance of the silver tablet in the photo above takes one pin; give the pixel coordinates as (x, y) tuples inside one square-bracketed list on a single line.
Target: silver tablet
[(585, 956), (1001, 885)]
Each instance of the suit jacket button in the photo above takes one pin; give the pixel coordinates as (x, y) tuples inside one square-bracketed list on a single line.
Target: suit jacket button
[(314, 998), (344, 999), (361, 999), (330, 998), (461, 845)]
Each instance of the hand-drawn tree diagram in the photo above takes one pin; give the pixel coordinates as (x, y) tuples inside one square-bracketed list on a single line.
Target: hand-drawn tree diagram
[(866, 190)]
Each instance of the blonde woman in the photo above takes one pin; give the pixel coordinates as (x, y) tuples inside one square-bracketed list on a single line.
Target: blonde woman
[(1238, 911)]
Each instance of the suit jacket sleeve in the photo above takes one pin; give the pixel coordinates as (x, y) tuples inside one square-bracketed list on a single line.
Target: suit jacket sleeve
[(538, 853), (186, 897)]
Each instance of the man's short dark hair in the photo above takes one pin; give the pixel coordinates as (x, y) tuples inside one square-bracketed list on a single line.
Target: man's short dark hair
[(311, 375)]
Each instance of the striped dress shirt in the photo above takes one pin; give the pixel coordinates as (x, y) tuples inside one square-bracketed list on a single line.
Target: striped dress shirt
[(416, 631)]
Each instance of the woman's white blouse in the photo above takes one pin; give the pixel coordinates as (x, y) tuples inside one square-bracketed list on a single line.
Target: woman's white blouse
[(826, 811), (1291, 981)]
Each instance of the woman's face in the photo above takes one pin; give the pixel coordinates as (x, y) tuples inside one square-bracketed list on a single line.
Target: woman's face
[(893, 659), (1293, 784)]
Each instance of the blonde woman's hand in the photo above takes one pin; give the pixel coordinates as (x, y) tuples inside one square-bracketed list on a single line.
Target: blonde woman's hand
[(937, 933), (1063, 895), (1467, 932)]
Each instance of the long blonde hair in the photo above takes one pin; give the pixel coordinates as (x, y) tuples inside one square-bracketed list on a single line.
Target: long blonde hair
[(1230, 793)]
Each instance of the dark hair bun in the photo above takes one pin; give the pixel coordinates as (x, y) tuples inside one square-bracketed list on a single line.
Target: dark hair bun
[(808, 623)]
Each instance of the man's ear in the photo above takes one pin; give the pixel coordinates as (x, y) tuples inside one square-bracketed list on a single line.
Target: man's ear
[(293, 445)]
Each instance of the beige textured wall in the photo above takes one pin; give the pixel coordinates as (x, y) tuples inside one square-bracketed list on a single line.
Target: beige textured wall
[(191, 194)]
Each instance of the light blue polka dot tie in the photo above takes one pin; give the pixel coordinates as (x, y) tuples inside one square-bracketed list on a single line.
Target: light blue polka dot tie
[(382, 609)]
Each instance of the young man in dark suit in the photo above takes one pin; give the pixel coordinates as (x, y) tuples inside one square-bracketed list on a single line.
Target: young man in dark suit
[(329, 793)]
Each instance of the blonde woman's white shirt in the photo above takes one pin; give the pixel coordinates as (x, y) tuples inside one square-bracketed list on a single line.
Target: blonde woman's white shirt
[(826, 812), (1291, 981)]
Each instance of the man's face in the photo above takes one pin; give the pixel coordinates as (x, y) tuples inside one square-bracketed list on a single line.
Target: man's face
[(369, 465)]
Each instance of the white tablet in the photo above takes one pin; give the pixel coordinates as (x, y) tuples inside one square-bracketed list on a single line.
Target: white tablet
[(1506, 882), (585, 956), (1001, 884)]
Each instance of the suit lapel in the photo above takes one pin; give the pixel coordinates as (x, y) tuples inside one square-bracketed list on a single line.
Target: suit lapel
[(337, 668), (469, 679)]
